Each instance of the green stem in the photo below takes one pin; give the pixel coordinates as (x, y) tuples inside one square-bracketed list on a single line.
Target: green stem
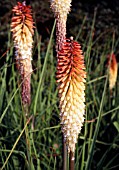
[(28, 142)]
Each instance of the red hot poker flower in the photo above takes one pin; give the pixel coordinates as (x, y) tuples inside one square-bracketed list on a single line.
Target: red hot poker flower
[(113, 68), (22, 30), (71, 85)]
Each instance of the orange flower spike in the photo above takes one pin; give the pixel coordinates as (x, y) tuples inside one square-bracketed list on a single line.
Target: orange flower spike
[(71, 85), (113, 68), (22, 31)]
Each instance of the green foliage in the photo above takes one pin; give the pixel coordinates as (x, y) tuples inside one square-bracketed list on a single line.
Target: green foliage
[(36, 142)]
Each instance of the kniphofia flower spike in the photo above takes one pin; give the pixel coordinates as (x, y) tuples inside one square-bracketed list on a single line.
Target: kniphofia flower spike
[(60, 8), (22, 31), (71, 85), (113, 68)]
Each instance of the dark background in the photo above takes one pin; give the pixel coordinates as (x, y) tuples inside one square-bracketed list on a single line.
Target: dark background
[(107, 19)]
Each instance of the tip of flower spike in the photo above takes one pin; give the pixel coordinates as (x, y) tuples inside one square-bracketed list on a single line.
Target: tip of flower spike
[(61, 7), (112, 60), (24, 3)]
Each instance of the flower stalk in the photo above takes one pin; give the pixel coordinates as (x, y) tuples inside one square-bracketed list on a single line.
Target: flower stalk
[(22, 31)]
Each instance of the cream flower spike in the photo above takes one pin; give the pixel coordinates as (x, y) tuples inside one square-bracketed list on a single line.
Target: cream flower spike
[(60, 8)]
